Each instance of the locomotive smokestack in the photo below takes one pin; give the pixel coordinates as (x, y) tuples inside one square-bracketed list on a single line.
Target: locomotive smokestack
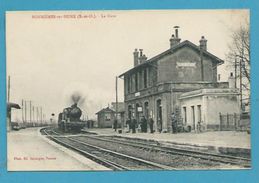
[(76, 97), (74, 105)]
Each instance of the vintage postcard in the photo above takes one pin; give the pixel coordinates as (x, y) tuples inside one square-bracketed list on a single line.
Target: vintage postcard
[(128, 90)]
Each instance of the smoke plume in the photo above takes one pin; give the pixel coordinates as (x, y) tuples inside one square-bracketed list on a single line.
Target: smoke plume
[(78, 98)]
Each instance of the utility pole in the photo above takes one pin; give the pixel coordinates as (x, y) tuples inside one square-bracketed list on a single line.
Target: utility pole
[(37, 114), (33, 117), (116, 107), (235, 72), (22, 111), (41, 114), (240, 83), (241, 73), (25, 111), (44, 118), (30, 111)]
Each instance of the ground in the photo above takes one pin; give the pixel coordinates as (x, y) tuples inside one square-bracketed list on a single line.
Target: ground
[(29, 150)]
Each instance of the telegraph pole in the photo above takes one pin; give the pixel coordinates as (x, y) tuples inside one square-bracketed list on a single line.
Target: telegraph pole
[(37, 114), (41, 114), (33, 117), (25, 111), (22, 111), (241, 73), (30, 111), (44, 118), (116, 107), (240, 80), (235, 72)]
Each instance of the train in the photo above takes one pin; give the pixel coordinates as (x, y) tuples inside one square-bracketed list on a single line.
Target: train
[(69, 120)]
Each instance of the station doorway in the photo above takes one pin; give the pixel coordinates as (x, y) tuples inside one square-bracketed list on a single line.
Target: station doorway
[(137, 113), (193, 118), (130, 112), (146, 110), (159, 115)]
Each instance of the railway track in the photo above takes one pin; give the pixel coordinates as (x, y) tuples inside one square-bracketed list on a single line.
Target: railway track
[(233, 160), (108, 158), (90, 142)]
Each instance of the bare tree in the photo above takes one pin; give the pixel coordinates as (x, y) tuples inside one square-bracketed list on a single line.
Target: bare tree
[(238, 58)]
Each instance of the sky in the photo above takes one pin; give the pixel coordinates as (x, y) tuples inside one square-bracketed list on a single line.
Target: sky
[(54, 54)]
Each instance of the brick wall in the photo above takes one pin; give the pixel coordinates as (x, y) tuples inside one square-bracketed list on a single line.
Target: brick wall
[(185, 66)]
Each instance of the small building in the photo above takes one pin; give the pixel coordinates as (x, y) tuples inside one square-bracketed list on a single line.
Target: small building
[(205, 106), (105, 118), (10, 105)]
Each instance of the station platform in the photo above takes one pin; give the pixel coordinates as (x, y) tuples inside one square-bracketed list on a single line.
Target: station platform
[(224, 142), (28, 150)]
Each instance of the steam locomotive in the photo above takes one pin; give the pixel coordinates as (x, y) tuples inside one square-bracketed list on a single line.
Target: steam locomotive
[(69, 119)]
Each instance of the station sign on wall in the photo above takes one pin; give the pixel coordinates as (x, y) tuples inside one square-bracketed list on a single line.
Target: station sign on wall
[(139, 109)]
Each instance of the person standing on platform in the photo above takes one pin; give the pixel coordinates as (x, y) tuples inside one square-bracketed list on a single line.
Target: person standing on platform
[(174, 123), (151, 125), (115, 125), (128, 124), (144, 124), (159, 125), (133, 125)]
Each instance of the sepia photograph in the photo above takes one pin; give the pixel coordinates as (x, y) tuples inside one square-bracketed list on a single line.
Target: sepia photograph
[(128, 90)]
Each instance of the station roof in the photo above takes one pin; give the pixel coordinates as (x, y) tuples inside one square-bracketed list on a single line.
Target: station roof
[(172, 50), (13, 105), (107, 109), (210, 91)]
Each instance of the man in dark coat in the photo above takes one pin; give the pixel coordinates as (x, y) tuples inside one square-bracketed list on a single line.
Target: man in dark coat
[(128, 124), (115, 125), (174, 123), (144, 124), (133, 125), (151, 124)]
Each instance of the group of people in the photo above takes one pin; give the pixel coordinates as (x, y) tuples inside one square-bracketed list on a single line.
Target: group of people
[(143, 124)]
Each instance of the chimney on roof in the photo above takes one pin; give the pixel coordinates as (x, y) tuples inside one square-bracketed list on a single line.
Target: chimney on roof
[(136, 57), (140, 52), (203, 43), (139, 57), (174, 40), (142, 57)]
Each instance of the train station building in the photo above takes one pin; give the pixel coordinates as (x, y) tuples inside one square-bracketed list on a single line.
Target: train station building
[(10, 106), (106, 116), (159, 86)]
